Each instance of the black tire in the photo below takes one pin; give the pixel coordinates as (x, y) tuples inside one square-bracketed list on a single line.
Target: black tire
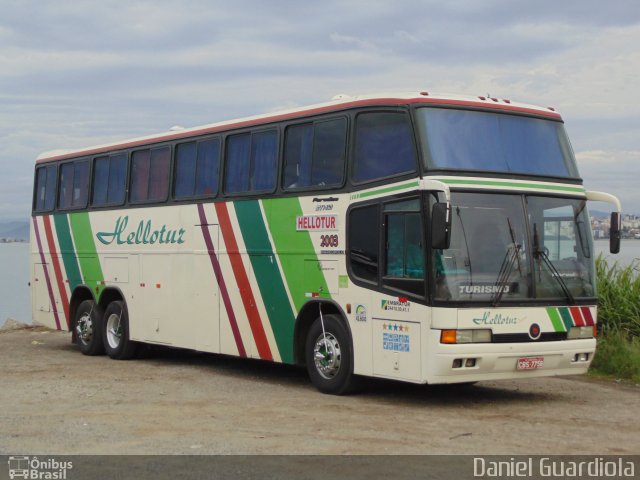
[(87, 325), (333, 374), (115, 323)]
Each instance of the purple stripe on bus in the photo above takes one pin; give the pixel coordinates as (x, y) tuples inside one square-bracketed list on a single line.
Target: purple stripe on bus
[(220, 279), (46, 273)]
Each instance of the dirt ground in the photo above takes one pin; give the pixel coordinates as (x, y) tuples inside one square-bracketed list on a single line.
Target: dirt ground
[(53, 400)]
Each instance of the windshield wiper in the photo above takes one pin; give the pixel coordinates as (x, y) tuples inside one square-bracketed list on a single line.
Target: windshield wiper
[(540, 253), (511, 257)]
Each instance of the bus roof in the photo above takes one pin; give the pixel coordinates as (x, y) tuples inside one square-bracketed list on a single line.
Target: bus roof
[(339, 102)]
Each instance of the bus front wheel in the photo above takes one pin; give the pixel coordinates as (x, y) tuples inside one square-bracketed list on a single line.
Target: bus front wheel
[(329, 356), (117, 343), (88, 328)]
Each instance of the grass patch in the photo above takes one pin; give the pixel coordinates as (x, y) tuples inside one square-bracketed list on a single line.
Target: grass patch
[(618, 353)]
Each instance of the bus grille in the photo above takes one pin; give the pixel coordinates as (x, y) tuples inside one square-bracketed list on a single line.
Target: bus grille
[(524, 337)]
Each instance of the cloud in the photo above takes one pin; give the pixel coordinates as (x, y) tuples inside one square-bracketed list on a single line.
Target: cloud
[(79, 73)]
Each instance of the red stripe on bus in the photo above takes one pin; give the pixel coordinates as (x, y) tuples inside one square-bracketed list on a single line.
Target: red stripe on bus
[(46, 273), (240, 273), (224, 293), (577, 316), (302, 113), (588, 318), (56, 266)]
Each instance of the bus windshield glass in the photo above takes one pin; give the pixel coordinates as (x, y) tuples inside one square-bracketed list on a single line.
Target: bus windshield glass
[(515, 248), (475, 141)]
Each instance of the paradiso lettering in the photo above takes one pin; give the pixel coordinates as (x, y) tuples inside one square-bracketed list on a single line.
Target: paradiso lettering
[(144, 234)]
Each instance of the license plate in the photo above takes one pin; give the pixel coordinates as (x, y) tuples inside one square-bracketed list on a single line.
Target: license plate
[(529, 363)]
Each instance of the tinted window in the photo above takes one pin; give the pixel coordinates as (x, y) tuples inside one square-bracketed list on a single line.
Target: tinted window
[(109, 180), (197, 166), (74, 185), (404, 262), (45, 188), (252, 162), (363, 244), (484, 141), (315, 154), (384, 146), (150, 175)]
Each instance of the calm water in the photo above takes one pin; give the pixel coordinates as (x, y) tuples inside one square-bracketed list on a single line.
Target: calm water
[(14, 263)]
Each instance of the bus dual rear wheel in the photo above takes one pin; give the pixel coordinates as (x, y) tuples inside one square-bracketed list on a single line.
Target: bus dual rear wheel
[(88, 328), (117, 343), (328, 356)]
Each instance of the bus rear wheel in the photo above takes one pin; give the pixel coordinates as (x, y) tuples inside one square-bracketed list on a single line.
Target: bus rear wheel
[(328, 356), (117, 343), (88, 328)]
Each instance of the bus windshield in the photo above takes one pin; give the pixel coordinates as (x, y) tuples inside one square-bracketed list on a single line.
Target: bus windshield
[(514, 248), (455, 139)]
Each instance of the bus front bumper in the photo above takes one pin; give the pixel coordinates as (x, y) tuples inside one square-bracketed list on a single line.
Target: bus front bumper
[(491, 361)]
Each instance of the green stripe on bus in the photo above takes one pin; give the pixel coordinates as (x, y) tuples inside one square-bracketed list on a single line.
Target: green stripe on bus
[(495, 183), (268, 275), (294, 248), (67, 251), (86, 250), (558, 326), (380, 191), (566, 317)]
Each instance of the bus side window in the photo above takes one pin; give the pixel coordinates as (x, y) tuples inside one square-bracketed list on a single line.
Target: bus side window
[(109, 180), (150, 175), (74, 185), (384, 146), (251, 162), (45, 188), (363, 244), (197, 168), (315, 154)]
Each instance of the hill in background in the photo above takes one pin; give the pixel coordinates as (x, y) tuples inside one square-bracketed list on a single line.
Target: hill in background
[(17, 230)]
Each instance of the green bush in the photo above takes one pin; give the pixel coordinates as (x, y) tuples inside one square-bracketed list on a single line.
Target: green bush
[(618, 297), (618, 355), (618, 352)]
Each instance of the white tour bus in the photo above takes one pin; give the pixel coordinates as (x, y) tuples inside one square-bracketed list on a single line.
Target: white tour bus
[(425, 238)]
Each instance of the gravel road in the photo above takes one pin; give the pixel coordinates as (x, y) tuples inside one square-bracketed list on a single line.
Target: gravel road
[(53, 400)]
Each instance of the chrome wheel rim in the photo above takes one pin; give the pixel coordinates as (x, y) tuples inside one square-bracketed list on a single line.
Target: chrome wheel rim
[(114, 330), (84, 329), (327, 355)]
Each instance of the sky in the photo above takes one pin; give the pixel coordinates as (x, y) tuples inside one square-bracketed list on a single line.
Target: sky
[(75, 74)]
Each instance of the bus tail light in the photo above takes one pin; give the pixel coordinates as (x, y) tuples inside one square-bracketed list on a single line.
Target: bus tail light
[(581, 332), (465, 336)]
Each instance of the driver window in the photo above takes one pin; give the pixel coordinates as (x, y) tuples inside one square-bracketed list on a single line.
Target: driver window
[(404, 253)]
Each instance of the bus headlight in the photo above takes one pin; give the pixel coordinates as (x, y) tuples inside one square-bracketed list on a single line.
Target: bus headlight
[(580, 332), (465, 336)]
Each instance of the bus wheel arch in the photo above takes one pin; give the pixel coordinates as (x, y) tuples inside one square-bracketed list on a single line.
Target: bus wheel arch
[(307, 315)]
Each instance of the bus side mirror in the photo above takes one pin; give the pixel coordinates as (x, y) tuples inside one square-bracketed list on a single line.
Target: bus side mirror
[(614, 233), (440, 226)]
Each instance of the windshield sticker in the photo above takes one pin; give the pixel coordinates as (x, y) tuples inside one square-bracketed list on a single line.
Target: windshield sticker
[(491, 288)]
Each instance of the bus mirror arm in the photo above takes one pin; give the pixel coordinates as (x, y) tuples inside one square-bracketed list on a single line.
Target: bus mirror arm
[(440, 214), (441, 225), (615, 231)]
